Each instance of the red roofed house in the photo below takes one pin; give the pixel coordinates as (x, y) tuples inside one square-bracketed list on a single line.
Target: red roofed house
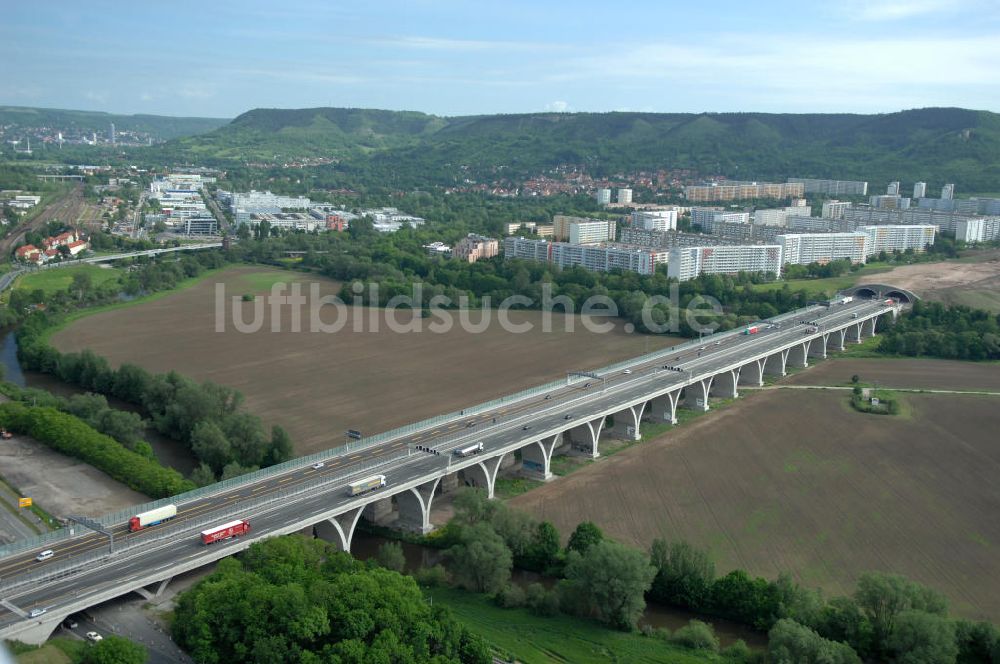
[(29, 253), (76, 247), (68, 237)]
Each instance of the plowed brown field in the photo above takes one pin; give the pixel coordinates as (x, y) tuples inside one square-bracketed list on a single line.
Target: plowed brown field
[(793, 480), (317, 385)]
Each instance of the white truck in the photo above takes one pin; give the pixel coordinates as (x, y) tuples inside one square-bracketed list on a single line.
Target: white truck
[(846, 300), (152, 517), (366, 485), (470, 450)]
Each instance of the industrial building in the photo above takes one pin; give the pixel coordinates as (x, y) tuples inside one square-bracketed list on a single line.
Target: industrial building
[(686, 263)]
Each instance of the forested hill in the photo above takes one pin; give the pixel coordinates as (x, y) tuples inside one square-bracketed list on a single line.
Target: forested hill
[(162, 127), (934, 144)]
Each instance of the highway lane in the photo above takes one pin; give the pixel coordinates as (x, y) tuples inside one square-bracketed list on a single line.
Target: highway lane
[(619, 387), (691, 360)]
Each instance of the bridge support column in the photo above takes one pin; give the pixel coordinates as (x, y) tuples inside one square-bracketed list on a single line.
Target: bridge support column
[(836, 340), (415, 507), (483, 474), (38, 633), (379, 511), (775, 364), (798, 355), (724, 385), (752, 374), (868, 327), (584, 437), (853, 332), (340, 529), (696, 394), (536, 458), (663, 408), (449, 483), (153, 594), (626, 426), (818, 346)]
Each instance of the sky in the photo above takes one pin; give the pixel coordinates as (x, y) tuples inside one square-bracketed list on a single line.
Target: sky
[(450, 57)]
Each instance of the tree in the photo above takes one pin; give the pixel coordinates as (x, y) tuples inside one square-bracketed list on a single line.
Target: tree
[(610, 581), (390, 556), (211, 445), (481, 560), (115, 650), (584, 536), (792, 643), (543, 551), (884, 596), (697, 635), (923, 638), (473, 506), (203, 475), (684, 574), (281, 446), (81, 285)]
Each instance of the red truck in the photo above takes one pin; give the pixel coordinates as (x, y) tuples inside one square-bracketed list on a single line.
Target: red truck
[(225, 531), (753, 329)]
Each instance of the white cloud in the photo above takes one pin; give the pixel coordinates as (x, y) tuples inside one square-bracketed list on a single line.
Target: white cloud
[(557, 106), (895, 10)]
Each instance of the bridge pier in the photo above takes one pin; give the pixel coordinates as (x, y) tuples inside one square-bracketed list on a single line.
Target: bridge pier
[(775, 364), (696, 394), (536, 458), (836, 338), (724, 385), (752, 374), (663, 408), (584, 437), (483, 474), (340, 529), (817, 347), (150, 595), (40, 632), (868, 327), (415, 507), (626, 426), (798, 355)]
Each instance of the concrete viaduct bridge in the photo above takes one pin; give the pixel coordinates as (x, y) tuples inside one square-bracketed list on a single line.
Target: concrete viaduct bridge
[(521, 433)]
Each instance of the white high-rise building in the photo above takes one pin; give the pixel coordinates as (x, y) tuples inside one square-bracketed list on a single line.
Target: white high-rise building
[(899, 238), (688, 262), (835, 209), (580, 230), (655, 220), (947, 192), (920, 190), (624, 196), (806, 248), (707, 217), (603, 196), (892, 189)]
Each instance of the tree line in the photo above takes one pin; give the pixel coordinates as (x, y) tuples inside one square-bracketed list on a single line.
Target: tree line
[(887, 618), (934, 329), (291, 599)]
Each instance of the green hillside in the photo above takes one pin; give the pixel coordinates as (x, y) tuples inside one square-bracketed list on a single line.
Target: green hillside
[(933, 144), (161, 126)]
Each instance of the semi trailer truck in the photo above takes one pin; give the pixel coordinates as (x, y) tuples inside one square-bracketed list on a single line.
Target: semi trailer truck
[(366, 485), (152, 517), (225, 531)]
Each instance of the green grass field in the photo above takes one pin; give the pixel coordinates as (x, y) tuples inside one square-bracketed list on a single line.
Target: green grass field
[(540, 640), (57, 279), (59, 650), (829, 286)]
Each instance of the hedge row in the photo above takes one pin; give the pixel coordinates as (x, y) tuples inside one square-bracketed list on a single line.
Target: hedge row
[(73, 437)]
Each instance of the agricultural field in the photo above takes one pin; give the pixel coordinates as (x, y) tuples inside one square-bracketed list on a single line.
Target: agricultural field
[(316, 384), (973, 281), (794, 480), (904, 373)]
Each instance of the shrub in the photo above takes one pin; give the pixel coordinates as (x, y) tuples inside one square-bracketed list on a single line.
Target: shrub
[(511, 597), (432, 577), (697, 635)]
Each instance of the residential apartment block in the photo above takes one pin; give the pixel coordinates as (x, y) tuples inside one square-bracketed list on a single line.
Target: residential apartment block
[(472, 247), (806, 248), (686, 263), (655, 220), (832, 187), (624, 196), (982, 229), (835, 209), (591, 257), (708, 217), (899, 238), (737, 191), (581, 230)]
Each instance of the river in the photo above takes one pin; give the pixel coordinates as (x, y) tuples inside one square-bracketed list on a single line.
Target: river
[(170, 452), (365, 546)]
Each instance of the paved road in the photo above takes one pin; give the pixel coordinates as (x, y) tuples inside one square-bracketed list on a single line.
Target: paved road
[(544, 415)]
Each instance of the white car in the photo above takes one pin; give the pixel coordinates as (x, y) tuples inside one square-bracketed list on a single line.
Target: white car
[(94, 637), (318, 465), (36, 612), (45, 555), (627, 371)]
